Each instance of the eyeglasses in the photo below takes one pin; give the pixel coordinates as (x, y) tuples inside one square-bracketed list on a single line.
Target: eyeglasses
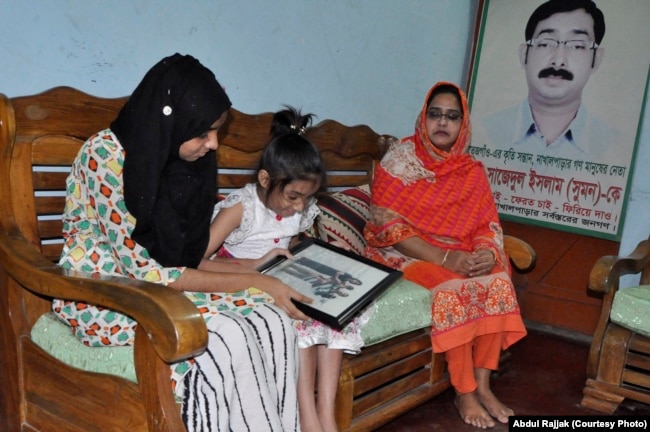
[(549, 44), (452, 116)]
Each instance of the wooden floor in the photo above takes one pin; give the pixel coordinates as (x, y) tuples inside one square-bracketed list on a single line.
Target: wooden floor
[(545, 376)]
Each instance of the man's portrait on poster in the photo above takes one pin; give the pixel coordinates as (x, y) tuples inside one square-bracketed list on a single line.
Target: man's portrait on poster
[(554, 155)]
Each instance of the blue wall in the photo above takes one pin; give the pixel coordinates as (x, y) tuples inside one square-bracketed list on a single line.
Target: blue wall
[(367, 61), (359, 62)]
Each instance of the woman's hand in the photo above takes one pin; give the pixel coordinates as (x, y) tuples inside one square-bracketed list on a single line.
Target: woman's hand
[(221, 276), (282, 295), (468, 264), (458, 262), (472, 264), (481, 263)]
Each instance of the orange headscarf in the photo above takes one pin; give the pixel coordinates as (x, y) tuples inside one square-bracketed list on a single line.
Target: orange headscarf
[(442, 197), (464, 136)]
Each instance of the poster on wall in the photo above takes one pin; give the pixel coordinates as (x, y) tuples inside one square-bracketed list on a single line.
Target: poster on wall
[(557, 91)]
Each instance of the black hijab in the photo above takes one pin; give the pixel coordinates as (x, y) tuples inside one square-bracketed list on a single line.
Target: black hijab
[(172, 199)]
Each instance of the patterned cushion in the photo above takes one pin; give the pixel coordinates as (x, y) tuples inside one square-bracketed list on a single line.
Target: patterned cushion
[(343, 217), (630, 309)]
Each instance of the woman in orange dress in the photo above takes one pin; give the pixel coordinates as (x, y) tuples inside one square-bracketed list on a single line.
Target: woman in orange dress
[(433, 217)]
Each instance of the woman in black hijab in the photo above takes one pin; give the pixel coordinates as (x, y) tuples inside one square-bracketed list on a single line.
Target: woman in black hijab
[(139, 202)]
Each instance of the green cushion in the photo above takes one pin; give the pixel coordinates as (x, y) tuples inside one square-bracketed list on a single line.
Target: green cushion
[(631, 309), (402, 308), (57, 339)]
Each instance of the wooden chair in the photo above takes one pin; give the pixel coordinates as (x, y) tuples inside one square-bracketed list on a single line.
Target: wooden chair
[(40, 392), (619, 358)]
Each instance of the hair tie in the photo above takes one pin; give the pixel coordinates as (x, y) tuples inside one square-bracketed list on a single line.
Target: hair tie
[(301, 130)]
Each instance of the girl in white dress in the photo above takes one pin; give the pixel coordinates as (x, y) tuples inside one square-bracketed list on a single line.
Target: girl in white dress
[(261, 221)]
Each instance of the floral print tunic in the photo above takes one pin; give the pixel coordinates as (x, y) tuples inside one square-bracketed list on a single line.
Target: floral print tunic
[(97, 230)]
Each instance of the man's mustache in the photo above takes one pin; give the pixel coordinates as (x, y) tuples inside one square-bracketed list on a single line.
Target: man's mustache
[(561, 73)]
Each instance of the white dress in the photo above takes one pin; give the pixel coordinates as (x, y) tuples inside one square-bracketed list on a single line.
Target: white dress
[(261, 230)]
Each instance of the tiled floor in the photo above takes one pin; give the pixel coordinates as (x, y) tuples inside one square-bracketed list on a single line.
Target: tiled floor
[(545, 376)]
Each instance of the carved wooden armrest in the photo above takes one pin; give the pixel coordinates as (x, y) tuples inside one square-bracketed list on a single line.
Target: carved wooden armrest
[(607, 271), (172, 323), (521, 254)]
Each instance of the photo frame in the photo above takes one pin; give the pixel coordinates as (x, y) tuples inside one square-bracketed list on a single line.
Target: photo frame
[(341, 283), (582, 188)]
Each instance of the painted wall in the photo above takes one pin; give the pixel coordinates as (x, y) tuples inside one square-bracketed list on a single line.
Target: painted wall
[(364, 61), (360, 62)]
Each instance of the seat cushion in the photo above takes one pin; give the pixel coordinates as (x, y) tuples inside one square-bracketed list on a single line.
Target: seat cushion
[(56, 338), (630, 309), (402, 308)]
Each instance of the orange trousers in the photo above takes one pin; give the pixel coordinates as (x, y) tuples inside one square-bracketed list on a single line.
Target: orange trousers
[(482, 352)]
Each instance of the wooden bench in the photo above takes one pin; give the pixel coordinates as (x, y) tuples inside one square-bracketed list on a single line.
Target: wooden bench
[(39, 138)]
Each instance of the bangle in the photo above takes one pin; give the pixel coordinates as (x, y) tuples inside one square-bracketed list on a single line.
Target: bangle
[(444, 259)]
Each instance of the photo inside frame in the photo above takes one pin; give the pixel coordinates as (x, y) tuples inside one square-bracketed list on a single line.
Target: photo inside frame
[(339, 283)]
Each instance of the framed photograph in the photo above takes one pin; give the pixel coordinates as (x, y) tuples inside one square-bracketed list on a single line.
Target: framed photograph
[(340, 283), (557, 92)]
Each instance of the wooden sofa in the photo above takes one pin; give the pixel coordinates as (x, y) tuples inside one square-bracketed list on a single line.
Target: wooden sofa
[(39, 137)]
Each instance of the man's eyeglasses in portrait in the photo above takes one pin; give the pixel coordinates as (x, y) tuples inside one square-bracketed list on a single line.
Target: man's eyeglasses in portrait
[(573, 46)]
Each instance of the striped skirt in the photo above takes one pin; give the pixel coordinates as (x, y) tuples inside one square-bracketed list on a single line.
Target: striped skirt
[(246, 379)]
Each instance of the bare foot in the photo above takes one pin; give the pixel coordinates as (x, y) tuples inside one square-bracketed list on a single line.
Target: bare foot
[(494, 406), (472, 412)]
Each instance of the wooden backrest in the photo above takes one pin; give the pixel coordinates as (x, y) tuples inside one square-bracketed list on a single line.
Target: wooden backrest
[(51, 126), (49, 129)]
